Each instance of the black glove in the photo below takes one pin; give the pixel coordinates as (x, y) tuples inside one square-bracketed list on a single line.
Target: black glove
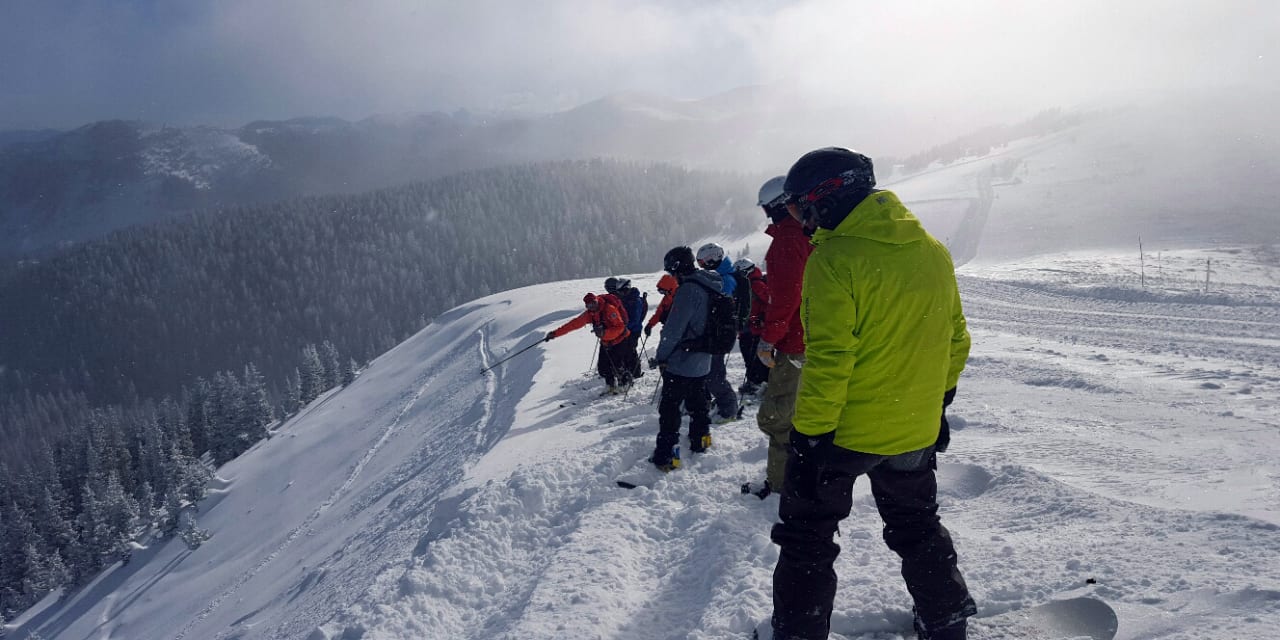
[(648, 330), (809, 457), (944, 430), (551, 335), (654, 364)]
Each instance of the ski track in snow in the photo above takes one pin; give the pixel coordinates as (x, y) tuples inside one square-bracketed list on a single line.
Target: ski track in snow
[(491, 389), (303, 528)]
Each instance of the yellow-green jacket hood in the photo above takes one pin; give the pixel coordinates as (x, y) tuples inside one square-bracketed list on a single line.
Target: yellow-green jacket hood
[(880, 217)]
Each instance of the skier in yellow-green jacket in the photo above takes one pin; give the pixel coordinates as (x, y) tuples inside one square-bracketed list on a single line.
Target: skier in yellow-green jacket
[(885, 342)]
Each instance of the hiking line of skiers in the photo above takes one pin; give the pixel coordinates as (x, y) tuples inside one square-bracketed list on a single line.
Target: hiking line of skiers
[(855, 342)]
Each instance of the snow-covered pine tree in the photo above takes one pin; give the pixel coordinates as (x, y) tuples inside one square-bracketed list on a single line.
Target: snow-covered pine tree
[(15, 533), (170, 513), (152, 448), (312, 380), (197, 400), (193, 480), (92, 538), (146, 502), (192, 534), (120, 516), (226, 418), (257, 404), (292, 393), (50, 522), (43, 572), (332, 364), (173, 425), (349, 371)]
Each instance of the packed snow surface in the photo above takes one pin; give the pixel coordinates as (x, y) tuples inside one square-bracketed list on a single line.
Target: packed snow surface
[(1109, 440)]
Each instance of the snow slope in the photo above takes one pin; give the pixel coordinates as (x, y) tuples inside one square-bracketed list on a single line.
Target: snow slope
[(1179, 172), (1102, 432)]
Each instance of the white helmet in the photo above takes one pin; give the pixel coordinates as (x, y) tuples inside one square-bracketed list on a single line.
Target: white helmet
[(710, 255), (743, 265), (771, 192)]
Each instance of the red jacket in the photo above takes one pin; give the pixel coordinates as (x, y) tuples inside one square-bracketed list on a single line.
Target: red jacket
[(786, 258), (669, 284), (607, 320), (759, 300)]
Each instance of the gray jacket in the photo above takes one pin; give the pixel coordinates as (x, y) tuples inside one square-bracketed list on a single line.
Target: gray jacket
[(687, 319)]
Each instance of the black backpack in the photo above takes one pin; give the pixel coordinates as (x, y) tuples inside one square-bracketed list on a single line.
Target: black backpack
[(721, 331)]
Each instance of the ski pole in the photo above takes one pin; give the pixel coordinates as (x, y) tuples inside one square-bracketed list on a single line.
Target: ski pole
[(656, 385), (511, 356), (613, 368), (593, 358), (638, 358)]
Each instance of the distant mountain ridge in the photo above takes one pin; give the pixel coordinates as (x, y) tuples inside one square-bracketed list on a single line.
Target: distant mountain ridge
[(80, 184), (58, 188), (66, 187)]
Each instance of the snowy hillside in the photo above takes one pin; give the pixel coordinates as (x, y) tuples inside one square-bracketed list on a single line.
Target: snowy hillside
[(1180, 173), (1107, 441)]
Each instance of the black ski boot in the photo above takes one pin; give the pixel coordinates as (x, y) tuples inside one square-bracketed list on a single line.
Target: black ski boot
[(761, 491)]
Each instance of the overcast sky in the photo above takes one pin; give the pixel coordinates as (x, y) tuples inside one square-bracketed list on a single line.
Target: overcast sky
[(65, 62)]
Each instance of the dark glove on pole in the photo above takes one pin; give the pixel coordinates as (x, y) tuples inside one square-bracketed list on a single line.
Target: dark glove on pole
[(809, 456), (944, 430)]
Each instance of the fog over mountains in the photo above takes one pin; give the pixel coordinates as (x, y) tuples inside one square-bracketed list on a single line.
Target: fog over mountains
[(58, 188)]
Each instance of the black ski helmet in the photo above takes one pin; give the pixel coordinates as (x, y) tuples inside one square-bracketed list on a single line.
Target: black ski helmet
[(611, 285), (828, 183), (679, 261)]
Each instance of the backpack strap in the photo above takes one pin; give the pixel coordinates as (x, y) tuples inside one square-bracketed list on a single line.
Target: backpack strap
[(692, 343)]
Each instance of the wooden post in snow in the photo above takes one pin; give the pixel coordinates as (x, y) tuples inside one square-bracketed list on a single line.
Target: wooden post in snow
[(1142, 265)]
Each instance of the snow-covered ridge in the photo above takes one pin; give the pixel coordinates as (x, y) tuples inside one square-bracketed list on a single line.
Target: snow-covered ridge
[(1103, 440), (198, 154)]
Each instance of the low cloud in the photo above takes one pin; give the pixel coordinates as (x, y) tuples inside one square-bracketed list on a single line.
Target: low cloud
[(63, 63)]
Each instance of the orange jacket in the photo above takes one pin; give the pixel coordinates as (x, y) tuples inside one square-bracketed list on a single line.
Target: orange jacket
[(606, 320)]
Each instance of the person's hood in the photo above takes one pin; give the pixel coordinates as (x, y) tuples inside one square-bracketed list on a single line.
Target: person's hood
[(709, 278), (725, 267), (668, 282), (880, 217)]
